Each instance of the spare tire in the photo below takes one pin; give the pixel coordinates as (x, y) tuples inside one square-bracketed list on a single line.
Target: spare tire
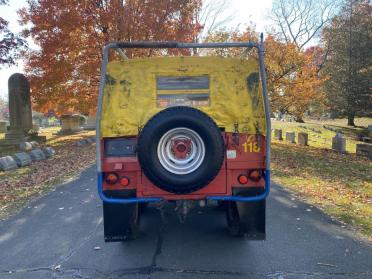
[(180, 149)]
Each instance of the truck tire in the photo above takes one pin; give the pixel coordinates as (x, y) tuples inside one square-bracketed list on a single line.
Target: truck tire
[(180, 150)]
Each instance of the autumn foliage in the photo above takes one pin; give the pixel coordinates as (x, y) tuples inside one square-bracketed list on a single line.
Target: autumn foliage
[(64, 72), (292, 74), (293, 80)]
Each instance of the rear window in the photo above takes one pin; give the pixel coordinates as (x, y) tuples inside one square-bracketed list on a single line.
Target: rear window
[(182, 90)]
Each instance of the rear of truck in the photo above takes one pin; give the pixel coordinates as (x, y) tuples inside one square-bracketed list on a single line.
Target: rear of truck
[(183, 129)]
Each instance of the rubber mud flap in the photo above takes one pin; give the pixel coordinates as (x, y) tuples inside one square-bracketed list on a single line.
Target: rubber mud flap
[(247, 219), (121, 221)]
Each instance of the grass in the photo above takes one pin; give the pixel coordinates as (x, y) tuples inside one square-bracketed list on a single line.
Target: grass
[(340, 184), (321, 137)]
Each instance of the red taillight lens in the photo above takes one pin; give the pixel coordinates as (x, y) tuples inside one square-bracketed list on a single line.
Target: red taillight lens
[(255, 175), (111, 178), (242, 179), (124, 181)]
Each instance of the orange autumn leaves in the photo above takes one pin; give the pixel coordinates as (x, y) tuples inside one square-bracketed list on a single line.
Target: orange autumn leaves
[(292, 74), (64, 71), (293, 80)]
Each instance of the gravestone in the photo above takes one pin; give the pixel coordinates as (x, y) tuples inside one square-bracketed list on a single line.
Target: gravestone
[(34, 144), (3, 125), (303, 138), (22, 159), (70, 124), (49, 151), (20, 116), (35, 127), (339, 143), (7, 163), (91, 123), (37, 155), (278, 134), (25, 146), (290, 137), (364, 149)]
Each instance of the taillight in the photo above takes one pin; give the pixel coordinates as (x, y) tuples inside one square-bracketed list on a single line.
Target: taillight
[(255, 175), (111, 178), (242, 179), (124, 181)]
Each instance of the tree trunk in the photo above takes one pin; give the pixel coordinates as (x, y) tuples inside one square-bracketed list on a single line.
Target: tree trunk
[(350, 120)]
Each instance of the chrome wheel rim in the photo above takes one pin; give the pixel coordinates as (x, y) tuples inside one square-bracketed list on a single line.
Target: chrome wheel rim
[(191, 155)]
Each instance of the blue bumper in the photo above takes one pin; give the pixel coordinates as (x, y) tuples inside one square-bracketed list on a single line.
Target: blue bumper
[(215, 198)]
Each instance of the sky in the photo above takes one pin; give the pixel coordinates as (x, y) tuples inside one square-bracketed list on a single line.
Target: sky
[(241, 12)]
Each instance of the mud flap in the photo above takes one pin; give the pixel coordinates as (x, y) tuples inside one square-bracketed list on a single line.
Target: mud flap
[(247, 218), (121, 221)]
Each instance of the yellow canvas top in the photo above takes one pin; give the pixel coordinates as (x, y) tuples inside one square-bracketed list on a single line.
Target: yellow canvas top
[(227, 89)]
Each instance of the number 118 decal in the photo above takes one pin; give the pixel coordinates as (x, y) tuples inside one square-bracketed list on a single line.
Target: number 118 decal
[(251, 145)]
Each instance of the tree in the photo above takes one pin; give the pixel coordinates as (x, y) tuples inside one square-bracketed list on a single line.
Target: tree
[(300, 21), (349, 64), (293, 81), (211, 16), (64, 72), (10, 44)]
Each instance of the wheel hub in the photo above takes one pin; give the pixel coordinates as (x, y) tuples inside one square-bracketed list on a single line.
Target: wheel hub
[(181, 150)]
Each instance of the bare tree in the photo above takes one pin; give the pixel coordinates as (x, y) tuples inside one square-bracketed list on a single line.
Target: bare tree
[(212, 15), (300, 21)]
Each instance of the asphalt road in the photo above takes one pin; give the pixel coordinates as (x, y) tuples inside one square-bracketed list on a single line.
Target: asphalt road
[(61, 236)]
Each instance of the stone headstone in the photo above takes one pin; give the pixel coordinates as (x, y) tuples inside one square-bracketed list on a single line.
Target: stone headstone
[(91, 123), (364, 149), (70, 123), (36, 127), (22, 159), (49, 151), (3, 125), (303, 138), (37, 155), (20, 115), (7, 163), (339, 143), (290, 137), (34, 144), (278, 134), (25, 146)]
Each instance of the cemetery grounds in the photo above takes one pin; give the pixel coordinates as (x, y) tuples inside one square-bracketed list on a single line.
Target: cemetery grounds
[(339, 184), (19, 186)]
